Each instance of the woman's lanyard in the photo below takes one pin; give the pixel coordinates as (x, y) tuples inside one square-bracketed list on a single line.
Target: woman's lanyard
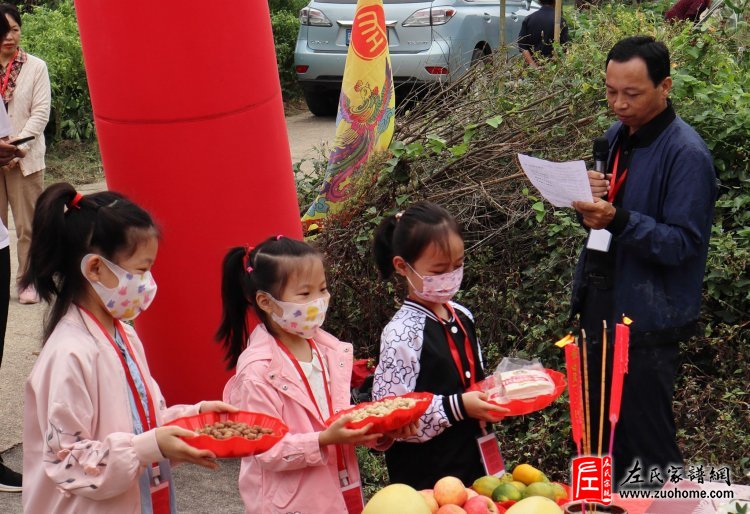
[(343, 474), (8, 69), (147, 422), (615, 184), (467, 375)]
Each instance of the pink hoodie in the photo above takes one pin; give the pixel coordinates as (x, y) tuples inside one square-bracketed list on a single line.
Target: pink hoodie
[(296, 475), (79, 451)]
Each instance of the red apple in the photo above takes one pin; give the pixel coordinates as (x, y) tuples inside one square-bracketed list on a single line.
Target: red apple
[(430, 499), (451, 509), (450, 491), (480, 505)]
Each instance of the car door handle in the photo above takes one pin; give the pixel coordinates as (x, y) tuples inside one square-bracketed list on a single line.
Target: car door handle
[(514, 17), (487, 16)]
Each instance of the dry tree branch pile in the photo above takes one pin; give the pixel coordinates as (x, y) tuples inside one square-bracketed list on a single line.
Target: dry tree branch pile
[(460, 142)]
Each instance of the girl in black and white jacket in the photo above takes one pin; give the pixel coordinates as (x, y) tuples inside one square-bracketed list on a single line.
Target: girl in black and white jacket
[(430, 345)]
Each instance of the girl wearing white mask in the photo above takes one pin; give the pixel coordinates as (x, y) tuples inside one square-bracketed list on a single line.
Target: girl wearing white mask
[(289, 368), (92, 438), (430, 345)]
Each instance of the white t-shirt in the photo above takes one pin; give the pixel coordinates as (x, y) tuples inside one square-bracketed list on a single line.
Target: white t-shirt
[(5, 130), (314, 373)]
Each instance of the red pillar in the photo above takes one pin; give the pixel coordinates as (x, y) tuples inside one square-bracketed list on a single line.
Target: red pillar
[(188, 112)]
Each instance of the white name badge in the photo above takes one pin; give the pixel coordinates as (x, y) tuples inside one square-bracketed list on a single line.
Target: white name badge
[(599, 240), (489, 449)]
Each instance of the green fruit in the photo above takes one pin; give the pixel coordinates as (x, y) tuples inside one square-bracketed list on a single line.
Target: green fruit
[(505, 492), (560, 492), (540, 489), (485, 485)]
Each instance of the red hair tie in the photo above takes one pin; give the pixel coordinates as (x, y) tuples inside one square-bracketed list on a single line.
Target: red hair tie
[(279, 237), (248, 249), (75, 201)]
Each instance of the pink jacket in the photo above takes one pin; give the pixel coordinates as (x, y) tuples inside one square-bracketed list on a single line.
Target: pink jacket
[(79, 451), (296, 475)]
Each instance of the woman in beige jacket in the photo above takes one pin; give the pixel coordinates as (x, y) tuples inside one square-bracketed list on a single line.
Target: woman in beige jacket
[(25, 87)]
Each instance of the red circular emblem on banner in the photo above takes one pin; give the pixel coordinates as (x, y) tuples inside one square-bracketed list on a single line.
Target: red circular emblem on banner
[(369, 36)]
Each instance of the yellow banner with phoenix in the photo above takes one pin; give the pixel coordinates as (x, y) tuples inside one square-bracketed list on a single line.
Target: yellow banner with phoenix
[(366, 111)]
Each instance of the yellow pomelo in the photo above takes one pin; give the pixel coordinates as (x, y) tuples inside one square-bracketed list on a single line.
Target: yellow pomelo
[(540, 489), (535, 505), (485, 485), (527, 474), (505, 492), (397, 498)]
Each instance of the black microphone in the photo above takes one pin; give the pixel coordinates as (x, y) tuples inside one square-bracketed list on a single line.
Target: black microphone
[(601, 154)]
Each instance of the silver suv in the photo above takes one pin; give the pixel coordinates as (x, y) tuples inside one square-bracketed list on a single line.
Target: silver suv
[(429, 41)]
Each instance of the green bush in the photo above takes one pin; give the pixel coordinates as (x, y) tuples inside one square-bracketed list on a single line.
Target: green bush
[(292, 6), (285, 28), (457, 147), (52, 35)]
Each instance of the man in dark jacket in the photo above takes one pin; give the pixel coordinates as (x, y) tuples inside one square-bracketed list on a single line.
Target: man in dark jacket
[(537, 32), (656, 203)]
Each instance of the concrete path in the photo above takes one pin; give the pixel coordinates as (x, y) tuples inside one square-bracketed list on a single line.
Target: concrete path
[(198, 491)]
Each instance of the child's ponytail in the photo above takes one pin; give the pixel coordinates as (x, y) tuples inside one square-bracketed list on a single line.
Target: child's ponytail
[(233, 330), (67, 226), (383, 245), (45, 258)]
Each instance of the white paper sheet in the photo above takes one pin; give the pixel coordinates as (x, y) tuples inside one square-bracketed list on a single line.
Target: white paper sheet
[(560, 183)]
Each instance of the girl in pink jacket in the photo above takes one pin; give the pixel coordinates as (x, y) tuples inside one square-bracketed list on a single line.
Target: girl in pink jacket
[(92, 441), (291, 369)]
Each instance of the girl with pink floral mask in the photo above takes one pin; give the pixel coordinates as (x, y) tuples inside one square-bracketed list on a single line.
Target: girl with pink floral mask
[(93, 437), (287, 366), (431, 345)]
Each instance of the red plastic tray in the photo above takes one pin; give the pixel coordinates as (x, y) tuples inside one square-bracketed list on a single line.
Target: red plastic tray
[(234, 446), (529, 405), (397, 419)]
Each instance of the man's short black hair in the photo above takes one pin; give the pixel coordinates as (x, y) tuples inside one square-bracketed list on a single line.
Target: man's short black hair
[(547, 2), (653, 52)]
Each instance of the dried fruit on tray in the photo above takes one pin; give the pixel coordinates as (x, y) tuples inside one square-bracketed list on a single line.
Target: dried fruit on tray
[(383, 407), (228, 428), (387, 414), (232, 434)]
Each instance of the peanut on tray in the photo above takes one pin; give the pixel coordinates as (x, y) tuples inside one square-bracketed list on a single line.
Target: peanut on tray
[(227, 429), (383, 407)]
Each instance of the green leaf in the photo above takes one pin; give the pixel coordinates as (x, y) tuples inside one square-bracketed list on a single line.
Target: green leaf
[(459, 150), (495, 121), (397, 148), (436, 143)]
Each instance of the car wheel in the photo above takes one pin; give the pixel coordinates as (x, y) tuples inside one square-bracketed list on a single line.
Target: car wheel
[(476, 55), (322, 103)]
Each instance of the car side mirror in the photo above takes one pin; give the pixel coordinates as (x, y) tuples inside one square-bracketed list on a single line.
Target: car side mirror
[(527, 4)]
